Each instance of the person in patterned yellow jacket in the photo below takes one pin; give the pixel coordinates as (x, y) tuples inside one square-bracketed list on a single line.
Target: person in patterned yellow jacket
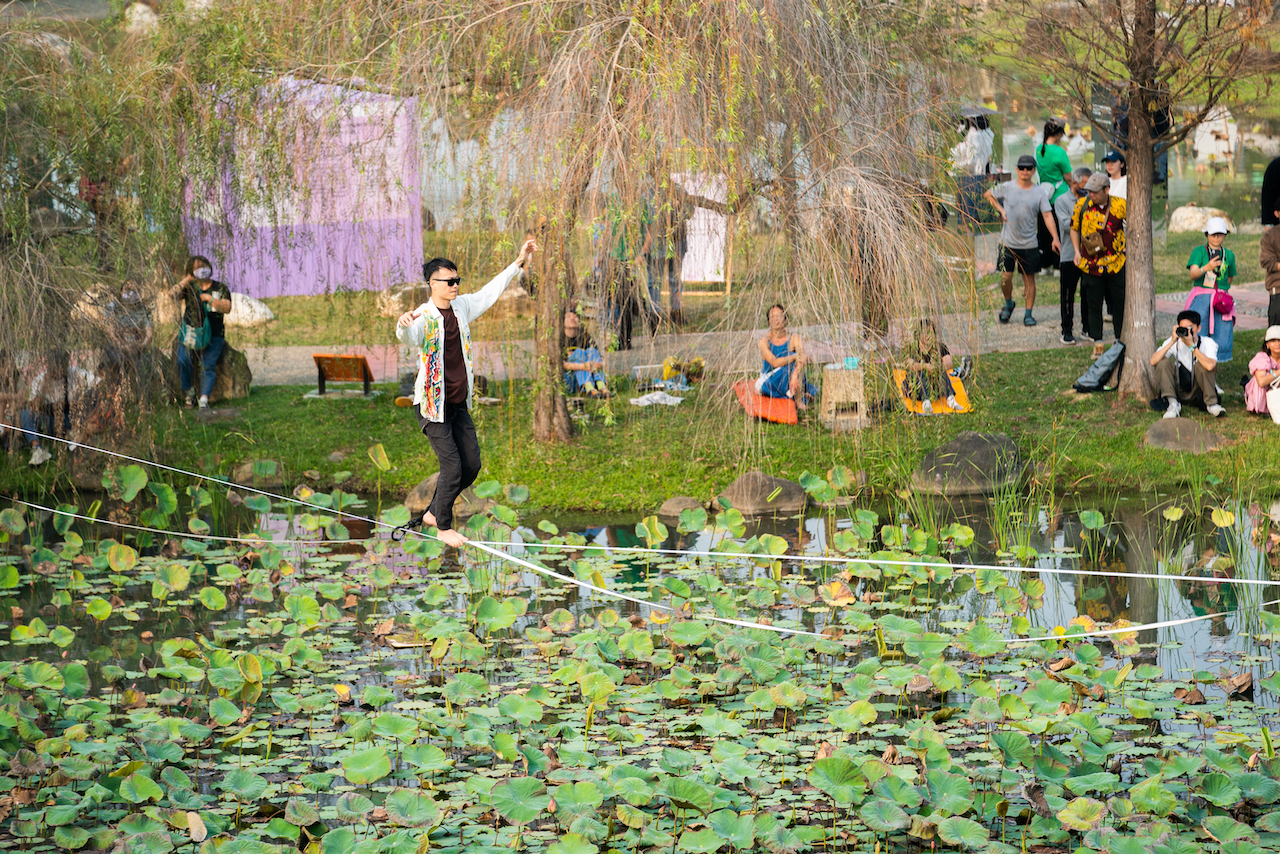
[(1097, 233), (440, 329)]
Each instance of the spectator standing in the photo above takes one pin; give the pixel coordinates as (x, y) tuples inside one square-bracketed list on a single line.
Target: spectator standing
[(1212, 267), (1269, 254), (1264, 371), (1097, 237), (1118, 172), (972, 160), (1271, 197), (1069, 273), (1187, 368), (1054, 168), (203, 298), (1021, 203)]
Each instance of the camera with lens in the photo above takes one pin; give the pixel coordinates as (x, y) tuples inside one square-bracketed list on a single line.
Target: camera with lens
[(1183, 332)]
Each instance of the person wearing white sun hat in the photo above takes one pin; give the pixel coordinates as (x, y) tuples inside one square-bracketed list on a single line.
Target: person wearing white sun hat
[(1211, 268)]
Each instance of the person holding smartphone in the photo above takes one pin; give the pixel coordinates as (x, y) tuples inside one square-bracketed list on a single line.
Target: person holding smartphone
[(1187, 368), (1211, 268)]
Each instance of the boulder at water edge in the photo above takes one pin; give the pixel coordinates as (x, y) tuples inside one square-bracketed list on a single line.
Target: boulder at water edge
[(468, 503), (1193, 218), (234, 376), (247, 311), (1184, 435), (753, 494), (970, 464), (672, 508)]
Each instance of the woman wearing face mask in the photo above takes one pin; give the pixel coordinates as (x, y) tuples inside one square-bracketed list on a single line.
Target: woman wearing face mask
[(203, 299)]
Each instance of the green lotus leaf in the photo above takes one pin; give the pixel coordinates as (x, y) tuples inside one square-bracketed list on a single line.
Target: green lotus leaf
[(1256, 787), (839, 777), (1046, 696), (340, 840), (949, 793), (397, 727), (1218, 790), (737, 830), (427, 758), (899, 791), (411, 808), (981, 641), (636, 791), (883, 816), (223, 711), (138, 788), (98, 608), (301, 813), (520, 800), (686, 794), (1224, 829), (71, 838), (1082, 814), (520, 709), (572, 843), (963, 832), (352, 807), (575, 799), (367, 766), (244, 784), (1151, 796), (38, 674), (376, 696), (702, 841)]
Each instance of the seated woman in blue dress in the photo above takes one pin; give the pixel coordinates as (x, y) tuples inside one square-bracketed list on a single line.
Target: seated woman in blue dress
[(784, 361), (583, 365)]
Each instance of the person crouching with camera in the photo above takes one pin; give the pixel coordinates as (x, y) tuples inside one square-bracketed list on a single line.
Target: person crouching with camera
[(1187, 368)]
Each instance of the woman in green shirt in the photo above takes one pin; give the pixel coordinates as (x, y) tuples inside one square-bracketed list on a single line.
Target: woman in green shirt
[(1052, 161), (1054, 167), (1213, 266)]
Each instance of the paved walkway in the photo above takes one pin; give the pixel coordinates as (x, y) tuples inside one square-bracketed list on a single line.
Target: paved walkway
[(735, 352)]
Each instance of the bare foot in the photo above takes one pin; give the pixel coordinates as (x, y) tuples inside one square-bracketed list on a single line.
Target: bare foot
[(451, 537), (800, 404), (429, 519)]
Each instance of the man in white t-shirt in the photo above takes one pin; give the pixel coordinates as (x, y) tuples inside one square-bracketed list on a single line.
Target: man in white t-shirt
[(1187, 367)]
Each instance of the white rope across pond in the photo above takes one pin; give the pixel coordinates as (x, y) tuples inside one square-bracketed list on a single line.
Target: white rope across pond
[(493, 548)]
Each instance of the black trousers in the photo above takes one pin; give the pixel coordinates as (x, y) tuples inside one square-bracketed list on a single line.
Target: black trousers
[(1068, 278), (458, 450), (1108, 287), (1273, 310)]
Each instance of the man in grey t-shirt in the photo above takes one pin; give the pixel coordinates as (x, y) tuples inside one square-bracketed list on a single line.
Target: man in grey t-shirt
[(1019, 202)]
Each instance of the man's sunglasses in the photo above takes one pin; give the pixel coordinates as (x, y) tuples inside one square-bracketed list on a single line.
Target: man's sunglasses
[(1025, 168), (453, 283)]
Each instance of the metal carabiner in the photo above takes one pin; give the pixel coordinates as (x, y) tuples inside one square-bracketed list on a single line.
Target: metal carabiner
[(399, 532)]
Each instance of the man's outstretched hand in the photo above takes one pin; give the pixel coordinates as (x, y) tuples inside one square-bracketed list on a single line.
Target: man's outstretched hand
[(526, 252)]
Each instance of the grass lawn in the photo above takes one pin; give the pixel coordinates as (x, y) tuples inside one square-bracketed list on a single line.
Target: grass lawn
[(1082, 444)]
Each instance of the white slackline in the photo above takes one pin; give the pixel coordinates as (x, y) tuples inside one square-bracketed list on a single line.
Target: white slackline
[(487, 546)]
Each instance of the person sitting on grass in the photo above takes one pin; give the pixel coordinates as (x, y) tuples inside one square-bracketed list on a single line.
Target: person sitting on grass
[(929, 367), (583, 364), (1264, 372), (1187, 368), (784, 362)]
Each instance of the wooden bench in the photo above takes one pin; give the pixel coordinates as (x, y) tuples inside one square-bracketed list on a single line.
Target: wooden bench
[(346, 368)]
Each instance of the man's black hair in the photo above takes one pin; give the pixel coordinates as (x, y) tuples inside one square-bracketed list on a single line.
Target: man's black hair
[(1193, 316), (768, 311), (429, 268)]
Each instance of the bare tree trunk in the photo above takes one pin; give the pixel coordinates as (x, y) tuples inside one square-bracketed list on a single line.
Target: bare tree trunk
[(551, 422), (1140, 305)]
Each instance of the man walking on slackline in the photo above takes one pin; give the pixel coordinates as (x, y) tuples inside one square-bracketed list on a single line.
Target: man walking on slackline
[(440, 329)]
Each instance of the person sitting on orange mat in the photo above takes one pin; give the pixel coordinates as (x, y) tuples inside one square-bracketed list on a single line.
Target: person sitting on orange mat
[(784, 362)]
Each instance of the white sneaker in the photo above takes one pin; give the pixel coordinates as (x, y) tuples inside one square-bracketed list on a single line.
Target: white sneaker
[(926, 408), (1216, 410), (1175, 408), (40, 456), (204, 401), (952, 403)]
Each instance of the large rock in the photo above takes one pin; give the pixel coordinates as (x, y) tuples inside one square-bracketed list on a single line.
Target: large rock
[(672, 508), (970, 464), (468, 503), (247, 311), (244, 475), (1193, 218), (234, 376), (1184, 435), (750, 495)]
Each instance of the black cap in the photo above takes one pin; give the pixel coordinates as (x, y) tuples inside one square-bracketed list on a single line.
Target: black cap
[(1113, 156), (1026, 161)]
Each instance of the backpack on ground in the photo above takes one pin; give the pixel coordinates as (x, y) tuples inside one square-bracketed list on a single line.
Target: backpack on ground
[(1104, 373)]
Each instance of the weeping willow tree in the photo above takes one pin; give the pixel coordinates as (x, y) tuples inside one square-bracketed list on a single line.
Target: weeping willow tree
[(802, 112), (816, 119)]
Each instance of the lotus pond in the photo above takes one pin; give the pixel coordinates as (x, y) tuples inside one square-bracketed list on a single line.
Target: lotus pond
[(309, 686)]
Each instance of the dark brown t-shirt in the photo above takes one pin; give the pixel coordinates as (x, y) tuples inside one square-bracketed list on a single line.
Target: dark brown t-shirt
[(455, 367)]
